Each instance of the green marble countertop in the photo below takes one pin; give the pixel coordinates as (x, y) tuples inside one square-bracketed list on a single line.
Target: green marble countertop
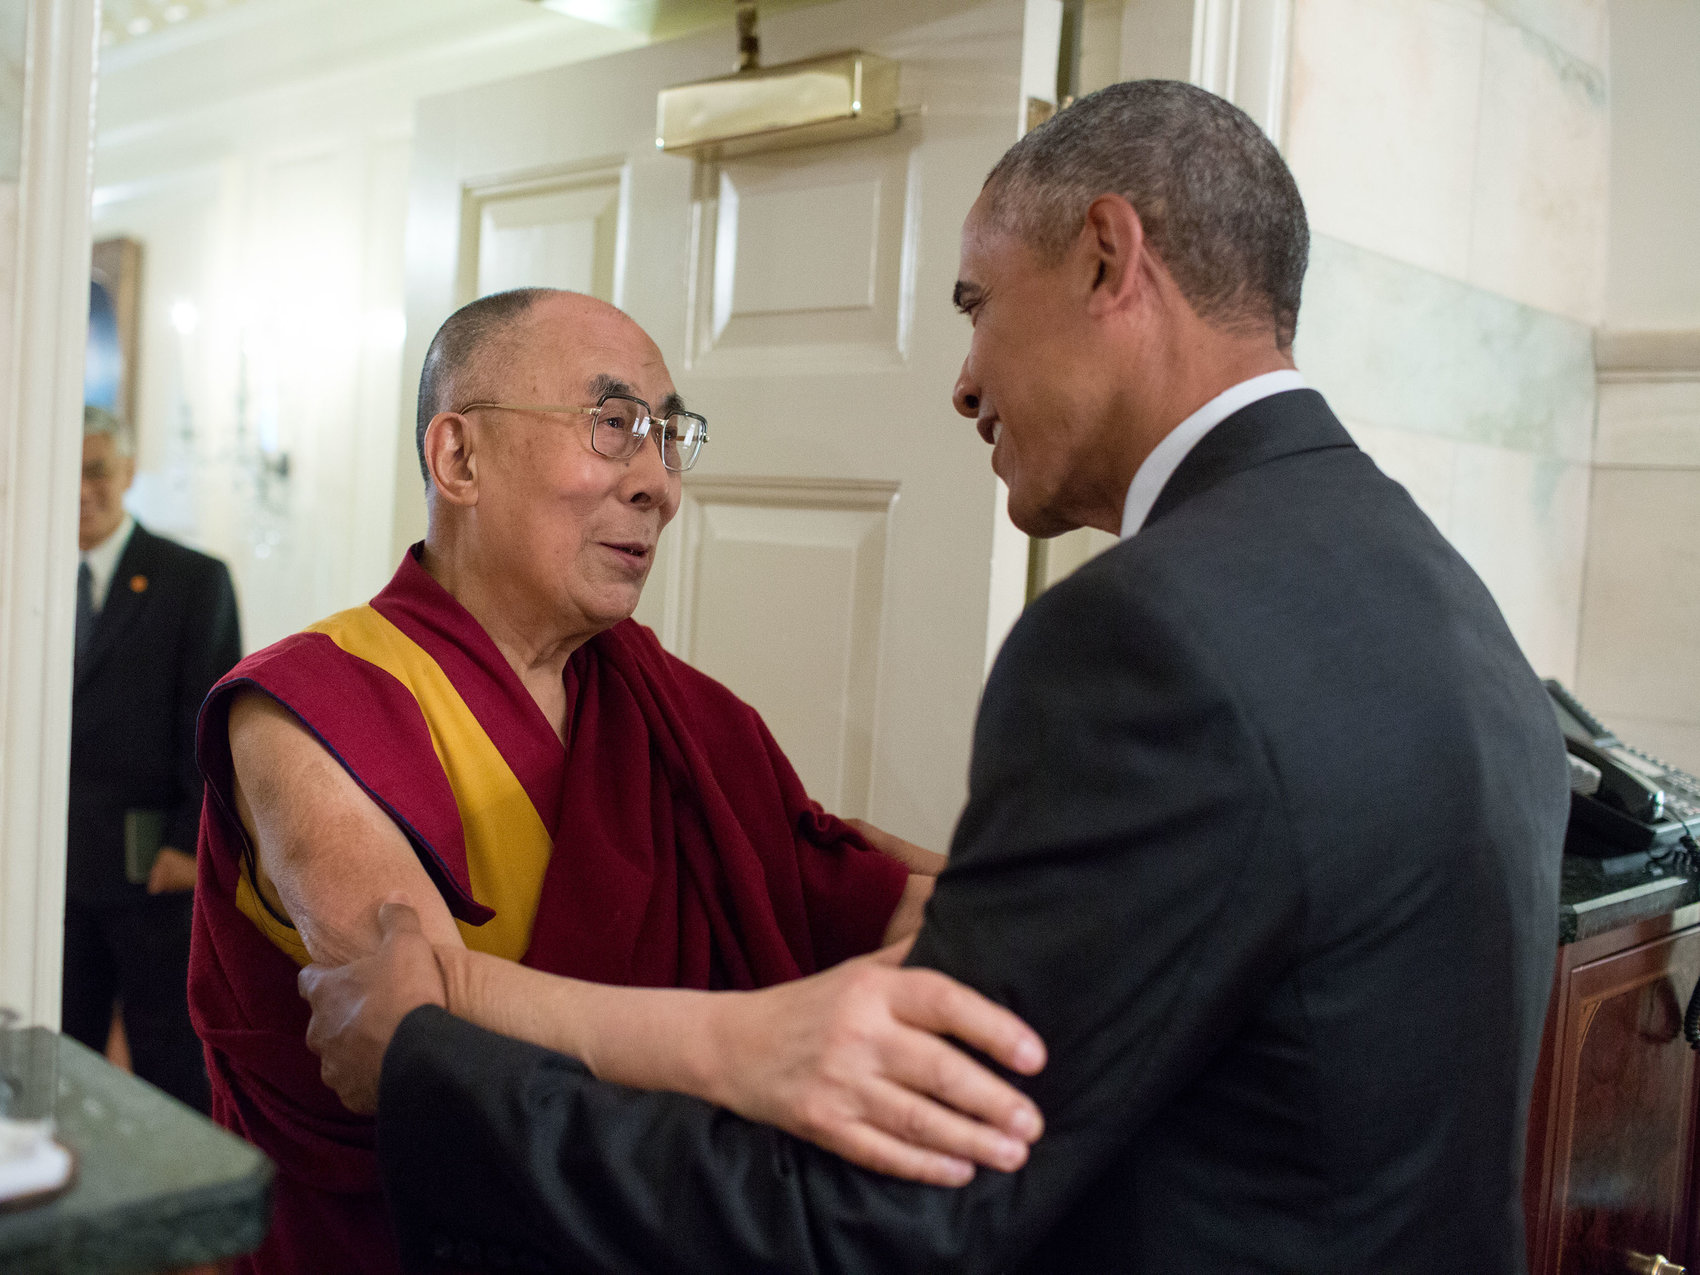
[(1592, 902), (158, 1185)]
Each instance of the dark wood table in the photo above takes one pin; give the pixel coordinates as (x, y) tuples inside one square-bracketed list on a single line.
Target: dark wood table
[(158, 1186)]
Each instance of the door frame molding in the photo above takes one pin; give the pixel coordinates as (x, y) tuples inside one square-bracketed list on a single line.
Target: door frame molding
[(1241, 50), (42, 339)]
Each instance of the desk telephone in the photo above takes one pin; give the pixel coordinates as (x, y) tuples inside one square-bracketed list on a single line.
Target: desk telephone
[(1626, 807)]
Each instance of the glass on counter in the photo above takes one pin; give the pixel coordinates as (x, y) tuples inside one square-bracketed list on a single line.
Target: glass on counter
[(32, 1164)]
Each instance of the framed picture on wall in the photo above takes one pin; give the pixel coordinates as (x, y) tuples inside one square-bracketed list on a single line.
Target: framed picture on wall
[(109, 368)]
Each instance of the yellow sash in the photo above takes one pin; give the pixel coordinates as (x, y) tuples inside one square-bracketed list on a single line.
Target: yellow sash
[(507, 846)]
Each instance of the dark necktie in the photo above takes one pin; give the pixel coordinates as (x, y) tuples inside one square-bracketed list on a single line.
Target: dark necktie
[(85, 607)]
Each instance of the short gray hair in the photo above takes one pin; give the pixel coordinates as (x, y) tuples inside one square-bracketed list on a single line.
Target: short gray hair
[(1219, 207), (97, 421), (459, 351)]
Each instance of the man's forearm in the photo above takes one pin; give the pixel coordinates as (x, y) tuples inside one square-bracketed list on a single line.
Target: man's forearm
[(676, 1186)]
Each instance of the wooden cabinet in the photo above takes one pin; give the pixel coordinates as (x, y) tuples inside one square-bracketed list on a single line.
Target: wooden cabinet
[(1611, 1178)]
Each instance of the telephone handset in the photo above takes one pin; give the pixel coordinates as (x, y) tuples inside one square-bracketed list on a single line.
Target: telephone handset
[(1624, 804), (1619, 787)]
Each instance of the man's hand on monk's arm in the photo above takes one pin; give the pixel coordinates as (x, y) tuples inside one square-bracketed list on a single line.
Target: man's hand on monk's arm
[(357, 1007), (855, 1060), (923, 865), (852, 1058), (325, 847)]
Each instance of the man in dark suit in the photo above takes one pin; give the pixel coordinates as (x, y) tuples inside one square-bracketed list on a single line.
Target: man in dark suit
[(1263, 829), (156, 627)]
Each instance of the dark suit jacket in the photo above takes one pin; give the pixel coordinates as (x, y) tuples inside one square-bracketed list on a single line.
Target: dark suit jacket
[(1263, 837), (156, 651)]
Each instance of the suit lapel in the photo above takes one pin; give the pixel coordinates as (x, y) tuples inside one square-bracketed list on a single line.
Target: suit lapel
[(1283, 424), (124, 602)]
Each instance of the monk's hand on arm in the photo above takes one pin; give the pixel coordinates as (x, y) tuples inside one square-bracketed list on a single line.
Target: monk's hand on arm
[(923, 866), (920, 861), (172, 872), (358, 1006), (854, 1059)]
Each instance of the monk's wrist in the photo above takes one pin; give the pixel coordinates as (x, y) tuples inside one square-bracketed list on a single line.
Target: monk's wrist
[(713, 1050)]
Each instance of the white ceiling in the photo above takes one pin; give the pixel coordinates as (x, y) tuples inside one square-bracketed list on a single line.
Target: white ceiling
[(226, 56), (125, 20)]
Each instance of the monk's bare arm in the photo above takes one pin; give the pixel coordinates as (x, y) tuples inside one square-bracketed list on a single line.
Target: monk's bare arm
[(324, 847), (329, 857), (851, 1058)]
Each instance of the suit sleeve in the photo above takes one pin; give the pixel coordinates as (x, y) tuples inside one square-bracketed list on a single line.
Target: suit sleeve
[(211, 645), (1118, 878)]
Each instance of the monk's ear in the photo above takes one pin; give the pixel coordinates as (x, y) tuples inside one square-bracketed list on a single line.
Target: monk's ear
[(450, 456), (1112, 251)]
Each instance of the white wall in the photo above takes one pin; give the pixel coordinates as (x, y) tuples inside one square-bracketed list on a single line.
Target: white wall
[(1654, 277), (1453, 158), (261, 157), (1639, 668), (1452, 155)]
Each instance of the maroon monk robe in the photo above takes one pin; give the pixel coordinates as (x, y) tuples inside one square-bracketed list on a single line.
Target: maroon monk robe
[(684, 853)]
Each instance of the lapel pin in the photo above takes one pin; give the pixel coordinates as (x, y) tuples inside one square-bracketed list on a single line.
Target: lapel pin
[(138, 584)]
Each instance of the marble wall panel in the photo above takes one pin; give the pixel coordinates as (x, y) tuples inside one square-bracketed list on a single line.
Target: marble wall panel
[(1640, 631), (1422, 463), (1538, 234), (1381, 125), (1579, 27), (1402, 348), (1521, 521), (12, 33), (1649, 423)]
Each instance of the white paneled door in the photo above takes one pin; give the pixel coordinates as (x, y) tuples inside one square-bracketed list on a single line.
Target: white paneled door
[(835, 559)]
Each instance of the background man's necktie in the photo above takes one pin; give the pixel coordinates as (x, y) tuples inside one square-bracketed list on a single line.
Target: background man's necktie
[(85, 607)]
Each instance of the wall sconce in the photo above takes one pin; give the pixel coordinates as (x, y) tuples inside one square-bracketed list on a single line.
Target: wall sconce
[(826, 99)]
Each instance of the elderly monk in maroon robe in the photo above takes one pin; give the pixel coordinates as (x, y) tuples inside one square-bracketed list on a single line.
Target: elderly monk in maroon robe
[(572, 812)]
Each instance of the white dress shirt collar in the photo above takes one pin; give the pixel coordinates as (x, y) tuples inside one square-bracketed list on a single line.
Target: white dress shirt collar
[(103, 560), (1166, 457)]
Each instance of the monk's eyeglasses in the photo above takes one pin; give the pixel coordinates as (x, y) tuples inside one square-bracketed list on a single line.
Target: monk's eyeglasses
[(619, 424)]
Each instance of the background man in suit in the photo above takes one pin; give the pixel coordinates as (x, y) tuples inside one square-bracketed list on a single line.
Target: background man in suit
[(1262, 836), (156, 627)]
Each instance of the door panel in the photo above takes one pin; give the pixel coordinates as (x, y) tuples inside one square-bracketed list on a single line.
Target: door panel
[(1628, 1080), (561, 233), (833, 562), (845, 212)]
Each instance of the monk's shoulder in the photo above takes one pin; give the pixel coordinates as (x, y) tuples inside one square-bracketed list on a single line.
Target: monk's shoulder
[(299, 656), (319, 678)]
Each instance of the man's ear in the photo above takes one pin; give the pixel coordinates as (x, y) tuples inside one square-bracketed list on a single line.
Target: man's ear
[(1113, 239), (449, 455)]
